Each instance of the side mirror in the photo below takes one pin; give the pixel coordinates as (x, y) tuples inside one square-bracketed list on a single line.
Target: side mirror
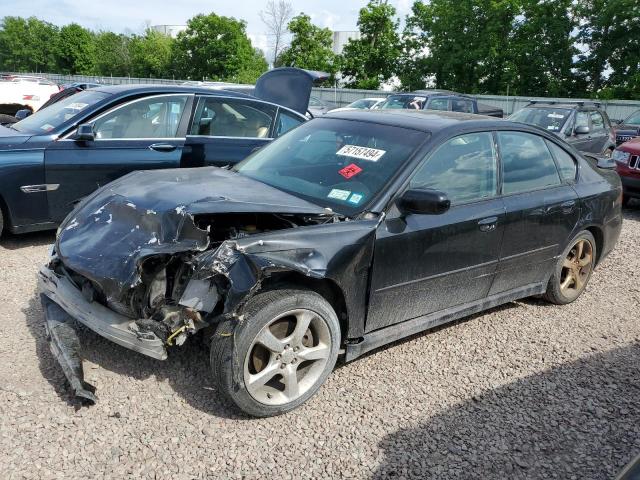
[(423, 201), (85, 133), (581, 130), (23, 113)]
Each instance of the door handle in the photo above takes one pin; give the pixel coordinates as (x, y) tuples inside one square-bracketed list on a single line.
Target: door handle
[(488, 224), (162, 147)]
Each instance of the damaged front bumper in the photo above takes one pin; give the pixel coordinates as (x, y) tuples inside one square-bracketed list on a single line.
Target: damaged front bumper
[(62, 303)]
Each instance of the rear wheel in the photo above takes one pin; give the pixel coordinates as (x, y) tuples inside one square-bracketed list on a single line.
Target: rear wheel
[(625, 200), (279, 355), (573, 270)]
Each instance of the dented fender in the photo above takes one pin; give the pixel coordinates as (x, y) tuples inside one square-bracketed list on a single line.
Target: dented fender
[(339, 252)]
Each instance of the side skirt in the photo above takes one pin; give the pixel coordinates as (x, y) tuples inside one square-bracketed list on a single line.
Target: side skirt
[(396, 332)]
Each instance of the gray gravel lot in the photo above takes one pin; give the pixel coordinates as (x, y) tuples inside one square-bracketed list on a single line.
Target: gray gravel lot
[(527, 390)]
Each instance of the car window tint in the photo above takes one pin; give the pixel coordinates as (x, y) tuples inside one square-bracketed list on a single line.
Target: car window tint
[(156, 117), (465, 168), (230, 117), (462, 106), (286, 122), (439, 104), (527, 163), (633, 119), (597, 123), (566, 163), (582, 119)]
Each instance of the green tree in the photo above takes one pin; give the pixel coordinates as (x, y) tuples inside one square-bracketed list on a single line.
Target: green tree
[(372, 59), (460, 44), (217, 48), (542, 49), (310, 48), (76, 50), (610, 31), (27, 44), (112, 54), (151, 54)]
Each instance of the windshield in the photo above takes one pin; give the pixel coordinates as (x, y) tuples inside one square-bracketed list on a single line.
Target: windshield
[(551, 119), (403, 101), (51, 117), (340, 164), (633, 119)]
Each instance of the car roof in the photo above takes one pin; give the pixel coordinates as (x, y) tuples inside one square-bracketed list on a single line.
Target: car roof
[(152, 88), (567, 105), (423, 120)]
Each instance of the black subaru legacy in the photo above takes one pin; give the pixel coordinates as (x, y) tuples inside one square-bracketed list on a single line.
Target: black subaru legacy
[(353, 230)]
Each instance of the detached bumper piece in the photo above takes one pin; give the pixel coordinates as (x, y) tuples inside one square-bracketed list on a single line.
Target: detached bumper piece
[(65, 346), (63, 304)]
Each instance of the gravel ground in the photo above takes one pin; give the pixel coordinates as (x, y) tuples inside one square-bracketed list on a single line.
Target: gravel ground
[(527, 390)]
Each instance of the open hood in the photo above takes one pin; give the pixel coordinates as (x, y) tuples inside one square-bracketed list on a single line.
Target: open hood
[(288, 86)]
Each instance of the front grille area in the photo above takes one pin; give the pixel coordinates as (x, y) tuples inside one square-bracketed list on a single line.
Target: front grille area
[(634, 162)]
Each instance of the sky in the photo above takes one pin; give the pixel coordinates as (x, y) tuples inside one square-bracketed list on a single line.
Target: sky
[(134, 15)]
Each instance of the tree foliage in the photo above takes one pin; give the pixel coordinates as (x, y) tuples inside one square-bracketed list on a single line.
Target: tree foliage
[(310, 48), (75, 50), (27, 44), (151, 54), (372, 59), (610, 32), (218, 48)]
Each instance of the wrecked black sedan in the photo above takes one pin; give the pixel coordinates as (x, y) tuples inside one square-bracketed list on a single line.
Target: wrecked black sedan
[(350, 232)]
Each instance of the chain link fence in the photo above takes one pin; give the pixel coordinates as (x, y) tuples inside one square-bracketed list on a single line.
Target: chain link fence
[(616, 109)]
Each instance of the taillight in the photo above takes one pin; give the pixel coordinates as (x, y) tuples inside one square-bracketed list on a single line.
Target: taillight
[(33, 98)]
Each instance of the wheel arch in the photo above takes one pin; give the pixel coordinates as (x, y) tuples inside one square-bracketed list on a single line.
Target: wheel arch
[(598, 234), (325, 287)]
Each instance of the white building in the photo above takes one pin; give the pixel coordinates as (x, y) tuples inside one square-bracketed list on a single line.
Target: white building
[(170, 30), (340, 39)]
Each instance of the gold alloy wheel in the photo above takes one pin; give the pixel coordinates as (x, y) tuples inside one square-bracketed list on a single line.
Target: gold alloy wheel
[(576, 269), (287, 357)]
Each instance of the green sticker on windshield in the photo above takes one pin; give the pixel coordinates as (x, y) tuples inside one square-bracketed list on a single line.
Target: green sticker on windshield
[(356, 198)]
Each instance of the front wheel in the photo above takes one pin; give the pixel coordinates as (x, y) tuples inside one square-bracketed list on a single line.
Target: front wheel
[(573, 271), (279, 354)]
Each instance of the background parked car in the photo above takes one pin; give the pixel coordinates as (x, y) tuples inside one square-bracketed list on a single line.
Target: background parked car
[(582, 124), (18, 93), (362, 104), (443, 100), (68, 90), (627, 159), (628, 128), (318, 107), (45, 158)]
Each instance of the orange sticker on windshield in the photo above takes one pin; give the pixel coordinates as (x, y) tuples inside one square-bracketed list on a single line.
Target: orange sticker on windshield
[(350, 171)]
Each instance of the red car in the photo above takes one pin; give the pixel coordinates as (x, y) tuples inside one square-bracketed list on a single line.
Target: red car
[(627, 157)]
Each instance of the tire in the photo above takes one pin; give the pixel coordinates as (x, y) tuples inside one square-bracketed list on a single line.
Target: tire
[(1, 223), (7, 119), (291, 375), (573, 270)]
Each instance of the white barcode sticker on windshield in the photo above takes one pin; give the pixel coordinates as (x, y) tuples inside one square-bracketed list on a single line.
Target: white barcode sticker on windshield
[(555, 115), (339, 194), (363, 153)]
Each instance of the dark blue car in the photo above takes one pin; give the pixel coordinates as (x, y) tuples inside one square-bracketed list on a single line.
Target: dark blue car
[(54, 158)]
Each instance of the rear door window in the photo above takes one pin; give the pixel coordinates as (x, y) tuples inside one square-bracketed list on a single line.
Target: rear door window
[(438, 104), (597, 122), (461, 105), (232, 117), (527, 163), (566, 163)]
